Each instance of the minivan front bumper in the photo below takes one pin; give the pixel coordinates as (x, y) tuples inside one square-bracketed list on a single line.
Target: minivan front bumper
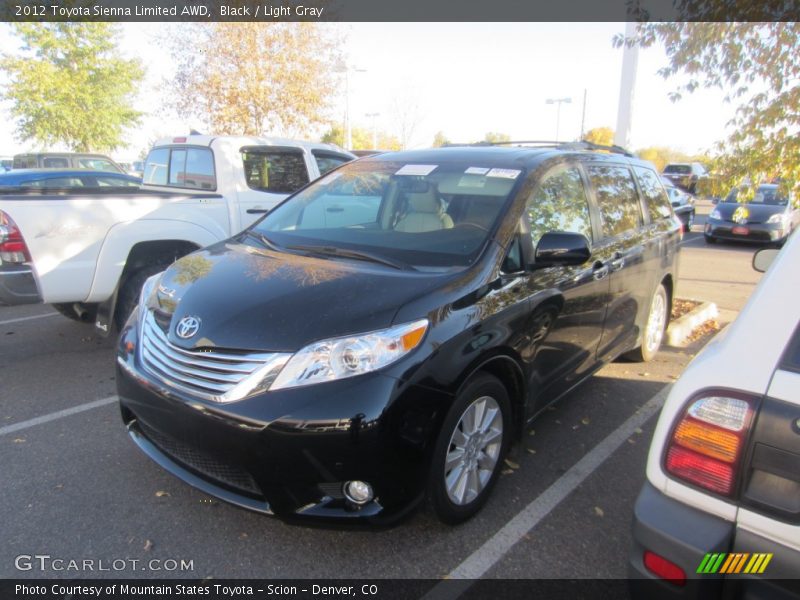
[(288, 452)]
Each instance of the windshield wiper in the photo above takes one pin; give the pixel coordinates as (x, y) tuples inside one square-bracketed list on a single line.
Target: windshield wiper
[(355, 254), (268, 243)]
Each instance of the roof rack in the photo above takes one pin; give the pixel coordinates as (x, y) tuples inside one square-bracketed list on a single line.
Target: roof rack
[(582, 145)]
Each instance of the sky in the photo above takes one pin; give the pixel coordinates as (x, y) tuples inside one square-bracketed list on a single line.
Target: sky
[(464, 79)]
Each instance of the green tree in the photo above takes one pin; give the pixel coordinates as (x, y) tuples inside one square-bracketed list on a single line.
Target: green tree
[(440, 139), (70, 85), (496, 138), (757, 65), (252, 78), (600, 135), (362, 138)]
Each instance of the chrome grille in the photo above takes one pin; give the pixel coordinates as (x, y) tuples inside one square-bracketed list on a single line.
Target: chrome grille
[(216, 375)]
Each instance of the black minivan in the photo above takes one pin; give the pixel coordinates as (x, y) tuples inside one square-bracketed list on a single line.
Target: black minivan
[(387, 332)]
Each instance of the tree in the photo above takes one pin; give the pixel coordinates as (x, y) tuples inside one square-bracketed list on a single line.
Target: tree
[(758, 67), (603, 136), (362, 138), (440, 139), (69, 85), (496, 138), (251, 78)]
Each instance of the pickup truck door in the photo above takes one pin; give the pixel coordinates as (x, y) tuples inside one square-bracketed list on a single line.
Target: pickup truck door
[(271, 173)]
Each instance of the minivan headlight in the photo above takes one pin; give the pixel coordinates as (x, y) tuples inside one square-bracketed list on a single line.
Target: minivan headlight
[(339, 358), (715, 214), (148, 287)]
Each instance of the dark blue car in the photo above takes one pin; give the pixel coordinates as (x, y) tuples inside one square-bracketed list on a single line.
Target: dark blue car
[(65, 178)]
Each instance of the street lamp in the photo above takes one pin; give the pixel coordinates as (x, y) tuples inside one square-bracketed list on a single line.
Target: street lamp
[(342, 67), (558, 102), (374, 130)]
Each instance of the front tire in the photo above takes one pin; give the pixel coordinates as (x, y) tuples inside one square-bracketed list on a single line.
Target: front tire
[(657, 319), (470, 449), (129, 293)]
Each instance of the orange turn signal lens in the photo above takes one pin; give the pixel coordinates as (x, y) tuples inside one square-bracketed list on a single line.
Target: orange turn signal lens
[(708, 440), (412, 339)]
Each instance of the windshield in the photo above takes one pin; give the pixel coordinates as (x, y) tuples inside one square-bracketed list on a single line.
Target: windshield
[(765, 194), (437, 215)]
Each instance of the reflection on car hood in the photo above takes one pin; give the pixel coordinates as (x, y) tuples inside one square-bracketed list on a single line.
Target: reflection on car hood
[(247, 298), (756, 213)]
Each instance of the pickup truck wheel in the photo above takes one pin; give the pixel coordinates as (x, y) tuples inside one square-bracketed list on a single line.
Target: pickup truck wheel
[(129, 293), (78, 311)]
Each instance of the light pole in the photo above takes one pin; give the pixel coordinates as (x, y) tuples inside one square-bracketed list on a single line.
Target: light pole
[(374, 130), (558, 102), (348, 131)]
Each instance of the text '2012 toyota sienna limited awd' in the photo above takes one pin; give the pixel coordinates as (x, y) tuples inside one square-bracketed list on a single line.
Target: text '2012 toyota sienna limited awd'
[(385, 334)]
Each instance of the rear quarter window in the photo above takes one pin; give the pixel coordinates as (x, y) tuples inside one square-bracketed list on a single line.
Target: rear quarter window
[(656, 198), (187, 167), (790, 361)]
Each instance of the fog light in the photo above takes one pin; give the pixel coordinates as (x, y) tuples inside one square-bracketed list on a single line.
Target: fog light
[(359, 492)]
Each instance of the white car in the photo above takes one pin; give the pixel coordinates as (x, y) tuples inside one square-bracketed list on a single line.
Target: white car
[(719, 514)]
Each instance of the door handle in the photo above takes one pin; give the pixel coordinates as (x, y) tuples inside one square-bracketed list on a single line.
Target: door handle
[(599, 270), (618, 261), (257, 211)]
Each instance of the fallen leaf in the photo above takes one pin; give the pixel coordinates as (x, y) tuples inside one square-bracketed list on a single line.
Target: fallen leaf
[(558, 422), (638, 430), (599, 511), (531, 450), (585, 420), (631, 441), (161, 494), (532, 432), (506, 471), (243, 536), (645, 374), (19, 440), (512, 464), (148, 545), (574, 427)]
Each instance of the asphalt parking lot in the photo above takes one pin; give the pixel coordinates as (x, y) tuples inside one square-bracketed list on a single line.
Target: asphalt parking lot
[(76, 488)]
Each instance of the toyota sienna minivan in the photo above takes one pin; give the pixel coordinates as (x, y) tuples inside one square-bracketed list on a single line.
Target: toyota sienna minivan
[(386, 333)]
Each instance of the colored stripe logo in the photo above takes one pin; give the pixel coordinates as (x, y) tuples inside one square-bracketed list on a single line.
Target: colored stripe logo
[(728, 564)]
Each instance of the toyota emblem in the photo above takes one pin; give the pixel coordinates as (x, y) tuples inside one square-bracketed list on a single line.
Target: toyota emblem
[(187, 327)]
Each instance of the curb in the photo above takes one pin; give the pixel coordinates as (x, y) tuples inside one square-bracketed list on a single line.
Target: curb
[(682, 327)]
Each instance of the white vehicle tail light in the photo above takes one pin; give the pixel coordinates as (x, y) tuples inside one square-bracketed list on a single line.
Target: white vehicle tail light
[(708, 441), (13, 248)]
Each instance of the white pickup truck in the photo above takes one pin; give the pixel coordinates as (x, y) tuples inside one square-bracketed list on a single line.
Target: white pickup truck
[(88, 252)]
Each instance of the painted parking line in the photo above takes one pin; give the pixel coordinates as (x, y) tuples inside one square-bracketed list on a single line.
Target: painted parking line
[(17, 320), (56, 415), (495, 548)]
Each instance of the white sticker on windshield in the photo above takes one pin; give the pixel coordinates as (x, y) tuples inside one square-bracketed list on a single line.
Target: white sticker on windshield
[(504, 173), (473, 181), (416, 170), (476, 171)]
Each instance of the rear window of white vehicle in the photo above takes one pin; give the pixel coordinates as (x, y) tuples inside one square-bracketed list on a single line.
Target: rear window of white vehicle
[(183, 167)]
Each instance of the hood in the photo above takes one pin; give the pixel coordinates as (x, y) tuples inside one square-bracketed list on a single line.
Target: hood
[(259, 300), (756, 213)]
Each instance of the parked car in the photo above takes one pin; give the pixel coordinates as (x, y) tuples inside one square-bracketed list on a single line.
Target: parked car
[(6, 163), (682, 204), (719, 514), (388, 331), (67, 179), (197, 190), (66, 160), (768, 218), (685, 176)]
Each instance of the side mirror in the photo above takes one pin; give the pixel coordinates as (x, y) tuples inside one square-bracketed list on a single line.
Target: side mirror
[(562, 248), (763, 258)]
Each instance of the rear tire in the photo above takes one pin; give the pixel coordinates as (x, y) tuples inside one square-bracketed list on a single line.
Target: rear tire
[(710, 240), (470, 449), (129, 293), (653, 335)]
